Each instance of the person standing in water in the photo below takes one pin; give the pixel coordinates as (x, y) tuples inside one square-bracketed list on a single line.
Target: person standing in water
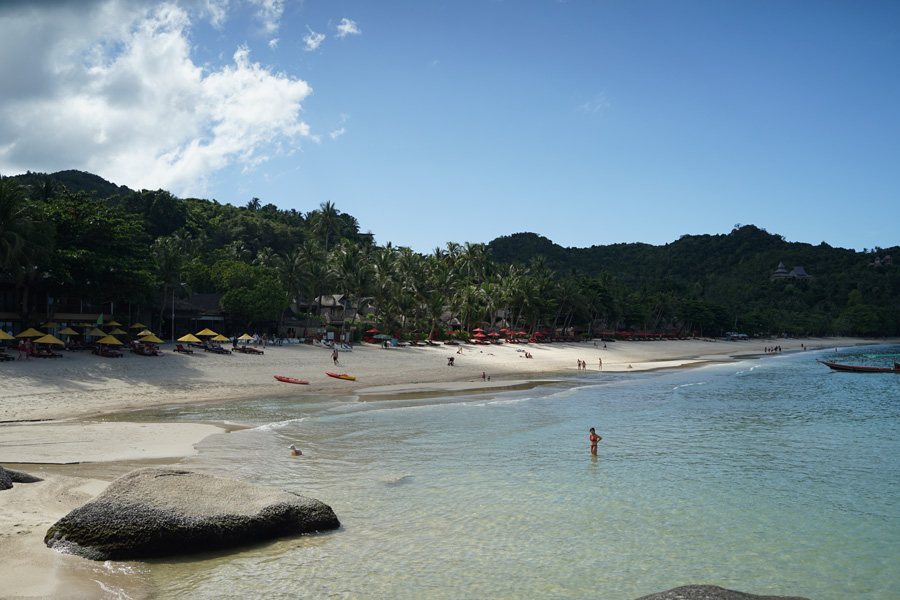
[(594, 439)]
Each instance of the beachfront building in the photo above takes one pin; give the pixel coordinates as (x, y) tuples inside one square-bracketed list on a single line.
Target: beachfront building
[(782, 273)]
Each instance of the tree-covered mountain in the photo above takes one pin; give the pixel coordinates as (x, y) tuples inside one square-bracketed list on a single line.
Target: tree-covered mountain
[(731, 273), (73, 234)]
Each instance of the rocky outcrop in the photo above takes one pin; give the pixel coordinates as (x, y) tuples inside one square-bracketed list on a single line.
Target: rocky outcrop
[(163, 512), (8, 477), (710, 592)]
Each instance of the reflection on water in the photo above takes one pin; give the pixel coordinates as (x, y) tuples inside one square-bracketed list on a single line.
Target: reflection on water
[(773, 476)]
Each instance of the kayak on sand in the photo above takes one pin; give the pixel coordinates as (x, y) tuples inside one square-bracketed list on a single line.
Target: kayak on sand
[(343, 376), (289, 379)]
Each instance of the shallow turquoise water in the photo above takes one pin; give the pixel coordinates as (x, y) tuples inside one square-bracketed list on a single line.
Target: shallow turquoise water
[(772, 476)]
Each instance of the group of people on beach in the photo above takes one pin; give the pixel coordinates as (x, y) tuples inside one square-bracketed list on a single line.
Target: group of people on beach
[(582, 365), (774, 349)]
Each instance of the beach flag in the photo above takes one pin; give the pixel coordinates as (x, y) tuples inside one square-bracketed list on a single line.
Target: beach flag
[(100, 319)]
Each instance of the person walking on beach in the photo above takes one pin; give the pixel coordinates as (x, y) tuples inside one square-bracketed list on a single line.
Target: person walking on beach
[(601, 363), (594, 438), (334, 356)]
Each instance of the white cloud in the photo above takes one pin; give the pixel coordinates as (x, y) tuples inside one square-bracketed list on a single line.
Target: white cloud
[(337, 133), (313, 40), (596, 104), (347, 27), (269, 13), (113, 90)]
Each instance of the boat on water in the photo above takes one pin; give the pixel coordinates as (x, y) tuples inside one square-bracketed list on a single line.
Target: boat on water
[(341, 376), (860, 369), (290, 379)]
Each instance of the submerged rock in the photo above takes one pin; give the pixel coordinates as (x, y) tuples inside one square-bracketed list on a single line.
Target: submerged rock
[(9, 476), (163, 512), (710, 592)]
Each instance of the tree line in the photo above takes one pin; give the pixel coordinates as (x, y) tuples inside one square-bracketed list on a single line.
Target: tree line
[(73, 234)]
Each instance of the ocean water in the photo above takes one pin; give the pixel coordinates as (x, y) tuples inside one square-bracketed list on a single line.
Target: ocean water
[(771, 475)]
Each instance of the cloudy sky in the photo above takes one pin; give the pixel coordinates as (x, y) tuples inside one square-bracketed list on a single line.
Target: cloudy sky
[(587, 121)]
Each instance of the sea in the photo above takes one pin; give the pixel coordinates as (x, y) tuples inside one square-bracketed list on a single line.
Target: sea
[(769, 475)]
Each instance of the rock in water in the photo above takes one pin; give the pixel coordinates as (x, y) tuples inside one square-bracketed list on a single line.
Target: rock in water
[(710, 592), (163, 512)]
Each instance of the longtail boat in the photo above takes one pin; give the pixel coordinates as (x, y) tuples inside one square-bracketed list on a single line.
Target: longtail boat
[(859, 369)]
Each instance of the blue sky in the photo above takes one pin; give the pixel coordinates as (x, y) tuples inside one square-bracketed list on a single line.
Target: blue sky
[(588, 122)]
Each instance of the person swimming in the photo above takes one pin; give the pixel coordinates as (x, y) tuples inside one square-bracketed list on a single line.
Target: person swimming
[(295, 451)]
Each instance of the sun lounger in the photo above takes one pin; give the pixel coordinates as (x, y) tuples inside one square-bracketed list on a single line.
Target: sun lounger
[(108, 352), (5, 357), (180, 348), (217, 349), (249, 350)]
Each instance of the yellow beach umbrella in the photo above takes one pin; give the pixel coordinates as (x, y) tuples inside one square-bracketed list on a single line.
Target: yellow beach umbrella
[(30, 332), (96, 332), (114, 324), (145, 332), (5, 336), (109, 340), (152, 339), (189, 338), (68, 331), (246, 337), (49, 339), (220, 338), (207, 331), (138, 326), (50, 325), (117, 331)]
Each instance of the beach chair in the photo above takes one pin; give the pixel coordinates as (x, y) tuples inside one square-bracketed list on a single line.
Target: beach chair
[(249, 350), (182, 349)]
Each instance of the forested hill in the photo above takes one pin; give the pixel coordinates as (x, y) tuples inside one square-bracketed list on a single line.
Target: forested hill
[(96, 241), (747, 253), (75, 181)]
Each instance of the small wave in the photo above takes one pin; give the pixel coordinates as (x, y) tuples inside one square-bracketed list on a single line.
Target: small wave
[(693, 384), (278, 424)]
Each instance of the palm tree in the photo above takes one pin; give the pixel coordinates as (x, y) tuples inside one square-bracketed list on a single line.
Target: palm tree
[(265, 258), (239, 251), (253, 205), (327, 221), (15, 224), (167, 256), (290, 272)]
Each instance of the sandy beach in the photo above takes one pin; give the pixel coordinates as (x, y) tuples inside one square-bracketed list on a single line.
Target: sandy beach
[(52, 411)]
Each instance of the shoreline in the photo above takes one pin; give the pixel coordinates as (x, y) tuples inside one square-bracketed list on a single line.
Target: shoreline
[(80, 390), (53, 413)]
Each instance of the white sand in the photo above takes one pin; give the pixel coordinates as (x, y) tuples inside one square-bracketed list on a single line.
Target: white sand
[(51, 409)]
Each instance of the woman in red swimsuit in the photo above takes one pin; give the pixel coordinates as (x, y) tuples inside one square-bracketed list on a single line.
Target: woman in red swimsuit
[(594, 439)]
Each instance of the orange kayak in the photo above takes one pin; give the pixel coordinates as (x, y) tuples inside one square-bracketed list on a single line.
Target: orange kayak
[(343, 376)]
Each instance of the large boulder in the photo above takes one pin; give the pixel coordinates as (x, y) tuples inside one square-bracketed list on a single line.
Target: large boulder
[(163, 512), (710, 592), (8, 477)]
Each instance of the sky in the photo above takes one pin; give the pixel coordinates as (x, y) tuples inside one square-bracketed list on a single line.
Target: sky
[(590, 122)]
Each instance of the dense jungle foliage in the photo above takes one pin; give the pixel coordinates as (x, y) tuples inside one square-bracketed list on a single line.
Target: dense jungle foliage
[(73, 234)]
